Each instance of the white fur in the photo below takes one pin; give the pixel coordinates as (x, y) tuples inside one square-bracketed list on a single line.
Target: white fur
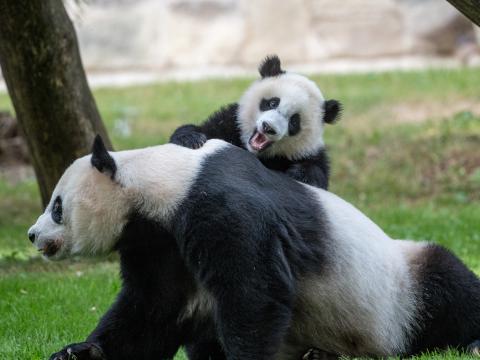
[(153, 180), (365, 301), (297, 94)]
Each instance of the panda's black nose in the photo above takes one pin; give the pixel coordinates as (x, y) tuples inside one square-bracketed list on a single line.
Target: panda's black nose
[(267, 129), (31, 236)]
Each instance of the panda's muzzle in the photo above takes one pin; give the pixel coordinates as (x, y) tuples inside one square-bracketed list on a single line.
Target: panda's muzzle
[(259, 141), (50, 248)]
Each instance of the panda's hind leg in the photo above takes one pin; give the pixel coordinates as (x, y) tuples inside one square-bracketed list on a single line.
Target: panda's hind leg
[(317, 354), (474, 348)]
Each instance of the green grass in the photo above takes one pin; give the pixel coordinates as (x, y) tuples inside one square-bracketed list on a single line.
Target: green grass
[(407, 153)]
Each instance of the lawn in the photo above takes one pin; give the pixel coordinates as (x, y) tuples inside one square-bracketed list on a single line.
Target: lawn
[(407, 153)]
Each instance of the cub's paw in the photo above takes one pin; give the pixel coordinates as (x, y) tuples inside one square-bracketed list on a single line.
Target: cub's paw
[(80, 351), (193, 140), (317, 354)]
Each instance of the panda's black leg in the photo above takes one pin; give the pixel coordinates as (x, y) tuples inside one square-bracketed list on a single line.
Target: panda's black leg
[(474, 348), (247, 329), (317, 354)]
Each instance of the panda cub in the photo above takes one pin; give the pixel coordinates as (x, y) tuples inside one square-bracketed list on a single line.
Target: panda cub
[(212, 243), (280, 119)]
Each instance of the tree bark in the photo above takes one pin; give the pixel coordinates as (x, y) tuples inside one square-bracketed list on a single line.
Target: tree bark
[(469, 8), (41, 64)]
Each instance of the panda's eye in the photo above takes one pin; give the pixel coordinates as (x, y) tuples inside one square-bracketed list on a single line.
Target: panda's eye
[(269, 104), (294, 124), (57, 210)]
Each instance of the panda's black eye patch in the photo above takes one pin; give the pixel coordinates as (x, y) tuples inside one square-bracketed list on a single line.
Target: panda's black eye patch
[(294, 124), (269, 104), (57, 210)]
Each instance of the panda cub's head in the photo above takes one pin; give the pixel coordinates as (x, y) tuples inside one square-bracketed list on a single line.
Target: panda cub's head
[(282, 114)]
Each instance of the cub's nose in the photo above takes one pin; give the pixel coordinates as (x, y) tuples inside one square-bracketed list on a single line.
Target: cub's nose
[(267, 129), (31, 236)]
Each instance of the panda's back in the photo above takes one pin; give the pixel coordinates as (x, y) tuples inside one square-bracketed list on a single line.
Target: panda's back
[(232, 170)]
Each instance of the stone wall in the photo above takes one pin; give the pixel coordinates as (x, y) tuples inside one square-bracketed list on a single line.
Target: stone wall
[(150, 34)]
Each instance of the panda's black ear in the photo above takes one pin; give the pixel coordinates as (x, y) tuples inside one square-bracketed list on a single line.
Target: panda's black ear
[(332, 111), (270, 66), (101, 159)]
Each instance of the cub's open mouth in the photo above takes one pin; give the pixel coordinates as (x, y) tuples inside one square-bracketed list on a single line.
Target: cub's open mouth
[(50, 248), (259, 141)]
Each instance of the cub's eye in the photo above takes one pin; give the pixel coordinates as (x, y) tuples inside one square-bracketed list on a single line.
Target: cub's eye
[(57, 210), (269, 104), (294, 124)]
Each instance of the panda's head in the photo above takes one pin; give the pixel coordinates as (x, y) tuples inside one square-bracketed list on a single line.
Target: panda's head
[(87, 209), (100, 193), (282, 114)]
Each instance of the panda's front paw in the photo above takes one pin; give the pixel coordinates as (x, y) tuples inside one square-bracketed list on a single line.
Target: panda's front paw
[(80, 351), (193, 140)]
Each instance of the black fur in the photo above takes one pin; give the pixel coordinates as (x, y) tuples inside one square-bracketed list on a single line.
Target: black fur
[(294, 126), (314, 170), (271, 66), (333, 110), (269, 104), (101, 159), (450, 302)]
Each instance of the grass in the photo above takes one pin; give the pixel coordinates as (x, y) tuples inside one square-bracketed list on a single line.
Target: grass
[(406, 153)]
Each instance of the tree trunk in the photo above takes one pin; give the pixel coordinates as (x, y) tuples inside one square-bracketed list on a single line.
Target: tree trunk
[(469, 8), (43, 71)]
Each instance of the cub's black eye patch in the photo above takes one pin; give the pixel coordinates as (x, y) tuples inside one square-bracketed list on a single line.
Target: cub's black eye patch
[(57, 210), (269, 104), (294, 124)]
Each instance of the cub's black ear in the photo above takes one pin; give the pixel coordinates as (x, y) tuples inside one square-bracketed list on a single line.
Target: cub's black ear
[(270, 66), (101, 159), (333, 110)]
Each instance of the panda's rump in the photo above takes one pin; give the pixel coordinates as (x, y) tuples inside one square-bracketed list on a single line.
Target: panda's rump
[(363, 302)]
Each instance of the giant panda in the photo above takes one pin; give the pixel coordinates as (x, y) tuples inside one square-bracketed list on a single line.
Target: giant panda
[(280, 118), (212, 241)]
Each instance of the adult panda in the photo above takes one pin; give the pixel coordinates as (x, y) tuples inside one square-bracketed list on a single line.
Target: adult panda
[(211, 241), (279, 118)]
